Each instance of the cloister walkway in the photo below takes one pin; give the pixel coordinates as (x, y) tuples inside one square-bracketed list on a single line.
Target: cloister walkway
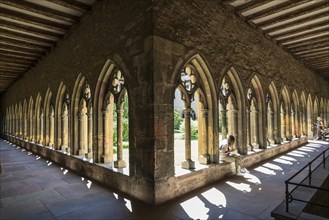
[(34, 188)]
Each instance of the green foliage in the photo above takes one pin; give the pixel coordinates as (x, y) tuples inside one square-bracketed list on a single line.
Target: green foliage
[(220, 124), (177, 120), (194, 129), (125, 122)]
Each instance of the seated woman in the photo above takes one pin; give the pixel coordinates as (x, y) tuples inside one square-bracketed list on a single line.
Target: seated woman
[(229, 154)]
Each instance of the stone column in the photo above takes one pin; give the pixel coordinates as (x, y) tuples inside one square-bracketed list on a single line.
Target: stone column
[(90, 135), (51, 130), (25, 128), (234, 128), (270, 126), (107, 156), (120, 163), (41, 129), (82, 134), (248, 131), (204, 157), (64, 132), (224, 124), (188, 163), (256, 129)]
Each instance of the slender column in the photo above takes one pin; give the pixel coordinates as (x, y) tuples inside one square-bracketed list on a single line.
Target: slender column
[(51, 130), (188, 163), (256, 128), (41, 130), (64, 132), (120, 163), (82, 131), (234, 127), (248, 131), (204, 157), (90, 136), (224, 124), (107, 156), (25, 128), (270, 126)]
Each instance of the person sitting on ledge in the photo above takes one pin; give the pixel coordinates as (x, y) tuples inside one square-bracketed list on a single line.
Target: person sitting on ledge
[(229, 154)]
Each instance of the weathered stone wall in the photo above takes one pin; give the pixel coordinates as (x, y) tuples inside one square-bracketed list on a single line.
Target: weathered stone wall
[(223, 39), (116, 30), (152, 43)]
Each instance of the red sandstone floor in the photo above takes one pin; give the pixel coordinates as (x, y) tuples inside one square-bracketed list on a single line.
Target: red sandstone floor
[(34, 188)]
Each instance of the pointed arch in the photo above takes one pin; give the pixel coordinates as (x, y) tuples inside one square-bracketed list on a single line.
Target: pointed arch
[(303, 114), (295, 129), (285, 114), (273, 128), (31, 120), (237, 91), (255, 100), (82, 122), (310, 130), (20, 120), (192, 77), (62, 119), (39, 120), (316, 109), (25, 118), (49, 119), (15, 119), (112, 81)]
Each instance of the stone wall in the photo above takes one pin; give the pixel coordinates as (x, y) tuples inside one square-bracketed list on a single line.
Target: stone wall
[(152, 39)]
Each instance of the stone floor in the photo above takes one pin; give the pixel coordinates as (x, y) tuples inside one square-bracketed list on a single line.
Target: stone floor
[(34, 188)]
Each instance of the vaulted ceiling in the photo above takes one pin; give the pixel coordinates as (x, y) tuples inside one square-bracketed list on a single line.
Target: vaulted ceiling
[(301, 27), (29, 29)]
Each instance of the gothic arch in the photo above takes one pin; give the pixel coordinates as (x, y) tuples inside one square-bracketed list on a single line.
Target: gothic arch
[(255, 114), (16, 121), (273, 118), (99, 105), (20, 120), (231, 92), (303, 114), (240, 106), (62, 119), (295, 125), (39, 120), (112, 91), (316, 109), (310, 110), (285, 114), (49, 120), (25, 118), (82, 118), (192, 77)]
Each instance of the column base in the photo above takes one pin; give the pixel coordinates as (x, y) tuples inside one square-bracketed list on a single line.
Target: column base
[(81, 152), (204, 159), (106, 159), (120, 164), (89, 155), (188, 164), (64, 148)]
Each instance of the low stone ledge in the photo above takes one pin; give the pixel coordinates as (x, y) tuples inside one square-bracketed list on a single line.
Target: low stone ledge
[(149, 191)]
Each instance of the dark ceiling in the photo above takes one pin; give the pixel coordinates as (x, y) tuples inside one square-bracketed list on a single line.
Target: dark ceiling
[(30, 29), (301, 27)]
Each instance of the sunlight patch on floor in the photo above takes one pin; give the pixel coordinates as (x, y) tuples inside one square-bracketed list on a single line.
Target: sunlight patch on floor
[(195, 208), (243, 187), (272, 166), (215, 197), (265, 170), (287, 158)]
